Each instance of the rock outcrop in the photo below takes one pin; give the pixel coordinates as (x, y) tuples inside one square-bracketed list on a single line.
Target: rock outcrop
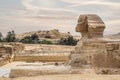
[(8, 51), (51, 34), (6, 54)]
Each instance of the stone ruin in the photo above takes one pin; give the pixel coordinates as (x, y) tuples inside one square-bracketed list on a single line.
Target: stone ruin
[(93, 50), (8, 52)]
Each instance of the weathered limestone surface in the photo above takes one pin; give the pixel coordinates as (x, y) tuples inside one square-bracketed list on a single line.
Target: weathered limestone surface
[(8, 51), (93, 50), (18, 47), (44, 53)]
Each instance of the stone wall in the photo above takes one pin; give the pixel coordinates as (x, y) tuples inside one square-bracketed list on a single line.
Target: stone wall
[(43, 58), (18, 47), (8, 51), (32, 72)]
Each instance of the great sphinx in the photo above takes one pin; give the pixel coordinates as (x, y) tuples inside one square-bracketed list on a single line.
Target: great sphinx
[(93, 49)]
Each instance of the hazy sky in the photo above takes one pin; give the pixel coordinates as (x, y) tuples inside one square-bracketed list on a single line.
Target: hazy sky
[(31, 15)]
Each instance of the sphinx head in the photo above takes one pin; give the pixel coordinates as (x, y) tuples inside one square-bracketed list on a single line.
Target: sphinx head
[(90, 25)]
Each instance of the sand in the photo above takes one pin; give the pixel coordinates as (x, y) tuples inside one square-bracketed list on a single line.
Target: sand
[(69, 77)]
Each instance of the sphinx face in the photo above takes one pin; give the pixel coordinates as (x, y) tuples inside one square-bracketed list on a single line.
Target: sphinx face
[(78, 25), (81, 26)]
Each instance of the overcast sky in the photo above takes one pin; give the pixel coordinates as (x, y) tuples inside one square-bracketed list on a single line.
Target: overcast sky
[(32, 15)]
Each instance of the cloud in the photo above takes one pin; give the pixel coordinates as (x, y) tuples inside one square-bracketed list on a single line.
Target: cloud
[(73, 7), (47, 7), (39, 5), (105, 4), (27, 5), (81, 1), (101, 3), (32, 4)]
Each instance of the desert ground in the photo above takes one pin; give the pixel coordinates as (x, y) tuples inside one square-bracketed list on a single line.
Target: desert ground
[(69, 77), (49, 66), (52, 53)]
